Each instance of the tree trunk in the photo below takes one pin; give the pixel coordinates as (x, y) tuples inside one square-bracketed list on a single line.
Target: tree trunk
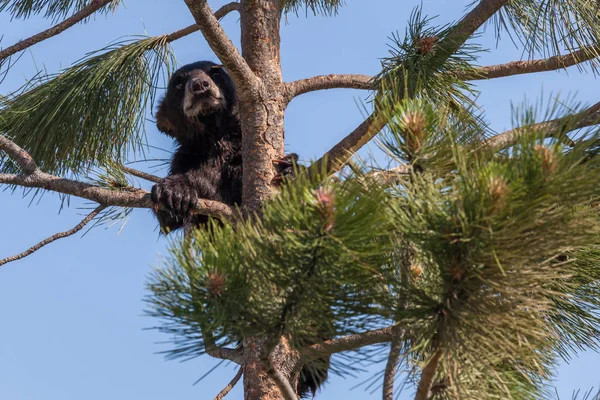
[(261, 113), (258, 385), (262, 118)]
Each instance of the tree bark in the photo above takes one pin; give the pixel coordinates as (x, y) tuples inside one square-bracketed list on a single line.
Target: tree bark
[(261, 113), (258, 384), (262, 118)]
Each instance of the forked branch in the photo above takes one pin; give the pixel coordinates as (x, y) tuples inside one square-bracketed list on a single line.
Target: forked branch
[(55, 30), (54, 237), (242, 75)]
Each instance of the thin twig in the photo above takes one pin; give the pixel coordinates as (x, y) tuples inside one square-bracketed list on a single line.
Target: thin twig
[(141, 174), (219, 14), (230, 385), (55, 30), (426, 381), (282, 382), (54, 237), (219, 42)]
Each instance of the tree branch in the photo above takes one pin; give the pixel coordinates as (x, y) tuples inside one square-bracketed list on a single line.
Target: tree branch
[(426, 381), (222, 353), (219, 14), (392, 363), (348, 343), (470, 23), (55, 30), (54, 237), (341, 152), (528, 67), (365, 82), (140, 174), (20, 156), (558, 127), (242, 75), (230, 385), (323, 82), (35, 178), (135, 199), (282, 382)]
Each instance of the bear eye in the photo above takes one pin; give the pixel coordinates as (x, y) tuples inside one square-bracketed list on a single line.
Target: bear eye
[(215, 69), (178, 83)]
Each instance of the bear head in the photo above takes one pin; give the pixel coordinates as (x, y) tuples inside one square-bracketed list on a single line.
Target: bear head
[(198, 94)]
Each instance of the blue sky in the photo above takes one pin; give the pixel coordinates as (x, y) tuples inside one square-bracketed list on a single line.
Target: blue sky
[(72, 325)]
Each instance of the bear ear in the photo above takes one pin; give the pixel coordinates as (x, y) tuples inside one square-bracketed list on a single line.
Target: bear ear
[(162, 121)]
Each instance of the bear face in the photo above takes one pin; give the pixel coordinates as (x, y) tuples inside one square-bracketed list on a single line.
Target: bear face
[(197, 94)]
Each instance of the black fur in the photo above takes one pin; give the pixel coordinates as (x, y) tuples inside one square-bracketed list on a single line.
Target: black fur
[(208, 162)]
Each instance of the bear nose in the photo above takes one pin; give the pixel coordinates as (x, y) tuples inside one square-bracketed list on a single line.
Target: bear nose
[(199, 85)]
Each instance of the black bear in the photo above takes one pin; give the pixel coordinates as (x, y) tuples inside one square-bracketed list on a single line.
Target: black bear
[(199, 111)]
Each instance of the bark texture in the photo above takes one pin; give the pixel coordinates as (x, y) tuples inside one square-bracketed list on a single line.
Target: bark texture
[(262, 112)]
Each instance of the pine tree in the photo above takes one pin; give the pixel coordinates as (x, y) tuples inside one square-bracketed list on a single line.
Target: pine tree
[(472, 261)]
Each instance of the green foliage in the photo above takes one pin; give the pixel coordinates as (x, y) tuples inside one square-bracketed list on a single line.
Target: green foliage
[(549, 27), (490, 261), (492, 236), (419, 66), (305, 269), (57, 9), (91, 113)]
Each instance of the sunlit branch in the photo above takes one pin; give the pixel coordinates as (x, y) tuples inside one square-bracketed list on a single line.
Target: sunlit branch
[(35, 178), (528, 67), (323, 82)]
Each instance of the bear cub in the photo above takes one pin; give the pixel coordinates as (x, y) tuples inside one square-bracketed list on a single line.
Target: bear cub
[(199, 111)]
